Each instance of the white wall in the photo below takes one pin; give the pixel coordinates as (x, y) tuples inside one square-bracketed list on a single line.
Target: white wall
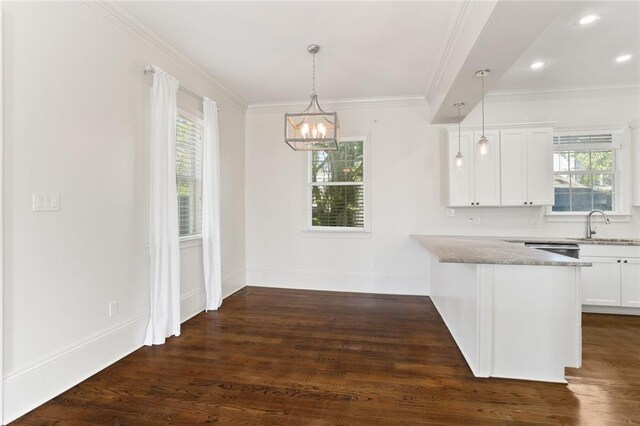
[(76, 104), (406, 163)]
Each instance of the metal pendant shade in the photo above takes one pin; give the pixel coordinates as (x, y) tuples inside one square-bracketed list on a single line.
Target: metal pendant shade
[(312, 129)]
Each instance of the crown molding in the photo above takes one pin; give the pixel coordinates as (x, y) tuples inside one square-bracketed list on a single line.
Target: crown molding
[(461, 14), (340, 104), (134, 27), (497, 96)]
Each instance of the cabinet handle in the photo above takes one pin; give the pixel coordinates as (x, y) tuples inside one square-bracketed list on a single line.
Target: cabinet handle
[(525, 203), (473, 204), (625, 261), (618, 260), (530, 202), (477, 204)]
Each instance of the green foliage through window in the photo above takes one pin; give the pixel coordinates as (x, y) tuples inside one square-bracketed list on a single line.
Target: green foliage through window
[(584, 180), (337, 186)]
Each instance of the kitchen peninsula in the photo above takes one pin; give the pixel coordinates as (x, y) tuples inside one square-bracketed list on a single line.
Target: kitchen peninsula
[(514, 311)]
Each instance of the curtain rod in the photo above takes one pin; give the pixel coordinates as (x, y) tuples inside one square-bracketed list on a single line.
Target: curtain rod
[(149, 69)]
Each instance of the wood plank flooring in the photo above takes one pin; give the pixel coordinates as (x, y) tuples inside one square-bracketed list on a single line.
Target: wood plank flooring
[(275, 356)]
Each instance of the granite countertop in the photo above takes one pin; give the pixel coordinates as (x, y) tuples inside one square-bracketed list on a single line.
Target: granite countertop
[(592, 241), (489, 250)]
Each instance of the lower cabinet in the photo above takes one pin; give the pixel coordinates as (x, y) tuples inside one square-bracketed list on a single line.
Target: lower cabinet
[(601, 283), (611, 281), (630, 278)]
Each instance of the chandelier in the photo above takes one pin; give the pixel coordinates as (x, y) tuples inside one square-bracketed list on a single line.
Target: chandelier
[(312, 129)]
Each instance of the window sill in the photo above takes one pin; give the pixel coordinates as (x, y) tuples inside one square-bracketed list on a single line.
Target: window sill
[(336, 233), (614, 217), (191, 241)]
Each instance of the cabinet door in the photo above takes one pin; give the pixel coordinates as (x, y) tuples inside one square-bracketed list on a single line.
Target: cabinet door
[(487, 171), (460, 180), (631, 283), (513, 167), (601, 282), (540, 166)]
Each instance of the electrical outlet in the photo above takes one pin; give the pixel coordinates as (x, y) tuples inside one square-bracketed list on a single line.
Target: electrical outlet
[(474, 219), (113, 308), (451, 212)]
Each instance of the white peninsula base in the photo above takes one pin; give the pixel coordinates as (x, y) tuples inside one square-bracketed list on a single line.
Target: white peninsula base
[(511, 321)]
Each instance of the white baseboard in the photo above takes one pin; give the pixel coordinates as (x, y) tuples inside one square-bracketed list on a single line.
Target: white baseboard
[(33, 386), (38, 383), (191, 304), (233, 282), (615, 310), (357, 282)]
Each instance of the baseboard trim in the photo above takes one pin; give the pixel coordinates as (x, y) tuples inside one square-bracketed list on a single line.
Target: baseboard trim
[(33, 386), (36, 384), (233, 282), (357, 282), (613, 310)]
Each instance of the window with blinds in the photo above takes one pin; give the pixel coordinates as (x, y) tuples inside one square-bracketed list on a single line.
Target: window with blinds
[(585, 171), (189, 175), (337, 187)]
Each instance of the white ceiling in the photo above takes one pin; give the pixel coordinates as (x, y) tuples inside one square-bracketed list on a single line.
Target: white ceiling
[(258, 49), (581, 56)]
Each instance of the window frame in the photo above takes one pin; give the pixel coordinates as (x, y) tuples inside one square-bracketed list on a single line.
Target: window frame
[(619, 185), (200, 122), (343, 230)]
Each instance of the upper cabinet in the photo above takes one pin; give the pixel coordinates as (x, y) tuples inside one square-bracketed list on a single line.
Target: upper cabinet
[(526, 167), (477, 182), (517, 172)]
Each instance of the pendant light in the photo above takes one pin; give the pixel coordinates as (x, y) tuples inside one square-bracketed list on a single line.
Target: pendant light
[(483, 147), (312, 129), (458, 161)]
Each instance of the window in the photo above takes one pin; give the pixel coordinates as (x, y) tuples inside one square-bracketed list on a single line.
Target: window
[(337, 187), (584, 166), (189, 175)]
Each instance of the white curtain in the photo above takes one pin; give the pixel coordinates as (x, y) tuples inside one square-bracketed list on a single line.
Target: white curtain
[(164, 238), (211, 206)]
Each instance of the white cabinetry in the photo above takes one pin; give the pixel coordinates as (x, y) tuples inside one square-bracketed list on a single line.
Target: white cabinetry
[(477, 183), (635, 146), (630, 280), (526, 167), (518, 172), (614, 278), (601, 282)]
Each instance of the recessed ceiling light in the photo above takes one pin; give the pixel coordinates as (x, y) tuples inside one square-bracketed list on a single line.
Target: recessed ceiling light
[(588, 19), (537, 65), (623, 58)]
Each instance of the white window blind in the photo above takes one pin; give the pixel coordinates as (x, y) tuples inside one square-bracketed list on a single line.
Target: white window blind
[(337, 187), (189, 175)]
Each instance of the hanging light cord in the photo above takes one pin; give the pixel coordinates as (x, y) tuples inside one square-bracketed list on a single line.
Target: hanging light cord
[(482, 78), (459, 135)]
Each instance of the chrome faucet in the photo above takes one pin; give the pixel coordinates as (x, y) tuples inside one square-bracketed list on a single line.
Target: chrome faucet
[(590, 232)]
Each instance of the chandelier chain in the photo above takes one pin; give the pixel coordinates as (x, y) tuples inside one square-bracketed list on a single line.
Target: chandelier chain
[(313, 76)]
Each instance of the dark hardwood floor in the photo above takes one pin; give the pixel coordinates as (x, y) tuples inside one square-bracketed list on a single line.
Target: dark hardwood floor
[(273, 356)]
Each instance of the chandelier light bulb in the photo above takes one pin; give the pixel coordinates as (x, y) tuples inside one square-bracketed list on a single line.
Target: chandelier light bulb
[(305, 130), (322, 130)]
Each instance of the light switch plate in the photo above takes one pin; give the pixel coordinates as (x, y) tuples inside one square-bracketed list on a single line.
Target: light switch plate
[(46, 202), (451, 212)]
